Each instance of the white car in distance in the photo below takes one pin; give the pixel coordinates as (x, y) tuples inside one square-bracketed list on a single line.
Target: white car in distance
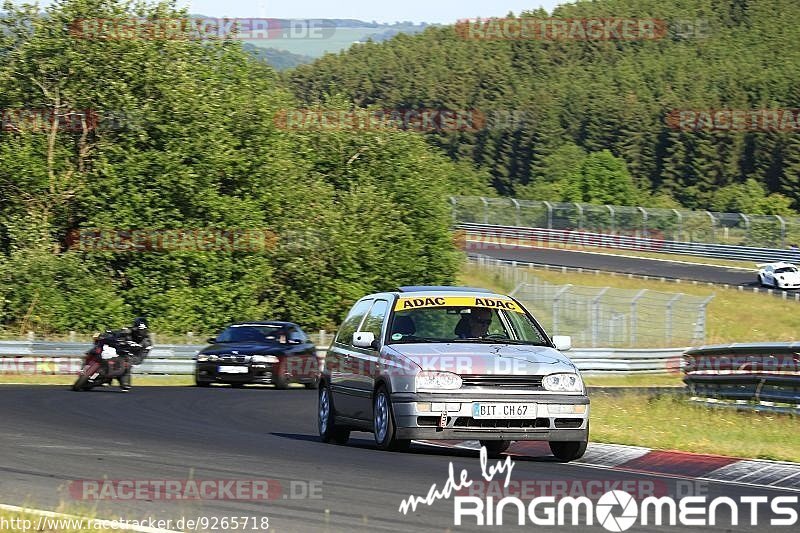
[(779, 275)]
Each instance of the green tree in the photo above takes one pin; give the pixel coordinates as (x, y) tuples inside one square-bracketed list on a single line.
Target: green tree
[(601, 179)]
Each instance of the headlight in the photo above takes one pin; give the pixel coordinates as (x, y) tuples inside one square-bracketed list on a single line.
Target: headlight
[(563, 383), (438, 380), (202, 357), (264, 359)]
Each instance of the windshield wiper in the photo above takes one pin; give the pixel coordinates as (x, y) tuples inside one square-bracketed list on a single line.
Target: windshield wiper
[(410, 339), (497, 341)]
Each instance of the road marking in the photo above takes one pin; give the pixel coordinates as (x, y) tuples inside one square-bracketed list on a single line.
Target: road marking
[(619, 456)]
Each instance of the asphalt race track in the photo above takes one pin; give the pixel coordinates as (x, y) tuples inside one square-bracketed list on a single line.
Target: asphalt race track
[(627, 265), (50, 437)]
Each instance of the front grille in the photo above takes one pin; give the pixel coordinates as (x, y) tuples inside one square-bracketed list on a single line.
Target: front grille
[(231, 358), (480, 423), (503, 382), (568, 423), (430, 421)]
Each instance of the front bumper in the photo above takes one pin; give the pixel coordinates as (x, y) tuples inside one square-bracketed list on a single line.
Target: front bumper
[(559, 417), (259, 374)]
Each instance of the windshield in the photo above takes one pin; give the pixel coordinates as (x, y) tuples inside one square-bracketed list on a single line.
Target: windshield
[(784, 270), (464, 324), (253, 333)]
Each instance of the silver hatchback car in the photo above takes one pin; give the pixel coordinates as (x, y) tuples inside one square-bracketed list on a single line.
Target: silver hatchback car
[(454, 363)]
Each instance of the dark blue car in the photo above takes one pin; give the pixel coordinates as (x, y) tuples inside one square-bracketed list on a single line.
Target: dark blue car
[(259, 353)]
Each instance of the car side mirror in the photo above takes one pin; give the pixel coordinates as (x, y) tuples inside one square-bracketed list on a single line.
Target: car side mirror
[(365, 339), (562, 342), (211, 340)]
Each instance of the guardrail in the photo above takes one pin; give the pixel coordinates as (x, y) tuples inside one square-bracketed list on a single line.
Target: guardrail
[(29, 358), (487, 236), (747, 375)]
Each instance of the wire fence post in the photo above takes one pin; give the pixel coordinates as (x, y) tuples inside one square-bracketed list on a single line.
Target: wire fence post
[(783, 230), (517, 219), (679, 216), (701, 319), (549, 214), (634, 318), (668, 332), (579, 207), (713, 225), (595, 318), (643, 211), (613, 222), (556, 306)]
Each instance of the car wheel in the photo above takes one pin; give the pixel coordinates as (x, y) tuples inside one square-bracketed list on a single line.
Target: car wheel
[(326, 419), (383, 423), (760, 281), (281, 381), (775, 283), (199, 383), (237, 385), (568, 451), (495, 447)]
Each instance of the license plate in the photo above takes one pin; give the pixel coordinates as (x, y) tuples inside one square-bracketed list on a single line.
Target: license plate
[(233, 369), (503, 410)]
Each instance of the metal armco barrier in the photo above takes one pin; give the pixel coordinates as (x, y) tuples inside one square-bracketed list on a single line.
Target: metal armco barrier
[(745, 374), (626, 361), (485, 237), (26, 358)]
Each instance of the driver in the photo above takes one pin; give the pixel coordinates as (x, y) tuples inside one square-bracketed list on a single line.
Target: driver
[(476, 324), (137, 349)]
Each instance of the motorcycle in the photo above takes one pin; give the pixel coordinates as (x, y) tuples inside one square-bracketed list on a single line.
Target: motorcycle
[(111, 356)]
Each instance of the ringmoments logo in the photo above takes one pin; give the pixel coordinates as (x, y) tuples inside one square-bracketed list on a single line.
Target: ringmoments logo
[(615, 510)]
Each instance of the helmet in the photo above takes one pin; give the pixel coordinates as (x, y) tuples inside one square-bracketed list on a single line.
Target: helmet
[(139, 330)]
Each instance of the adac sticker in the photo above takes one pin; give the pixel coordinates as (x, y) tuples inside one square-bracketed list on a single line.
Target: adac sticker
[(456, 301)]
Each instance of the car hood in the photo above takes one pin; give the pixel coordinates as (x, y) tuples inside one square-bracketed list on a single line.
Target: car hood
[(485, 359), (244, 348)]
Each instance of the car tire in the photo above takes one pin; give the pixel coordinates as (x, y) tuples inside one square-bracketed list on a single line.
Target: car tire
[(495, 447), (281, 381), (760, 281), (80, 384), (198, 383), (326, 419), (566, 451), (237, 385), (383, 426)]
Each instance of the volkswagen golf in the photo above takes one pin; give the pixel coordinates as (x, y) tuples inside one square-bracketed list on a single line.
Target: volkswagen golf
[(451, 363)]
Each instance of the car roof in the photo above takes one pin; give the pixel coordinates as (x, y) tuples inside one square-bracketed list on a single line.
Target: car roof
[(441, 288), (278, 323), (429, 290), (778, 264)]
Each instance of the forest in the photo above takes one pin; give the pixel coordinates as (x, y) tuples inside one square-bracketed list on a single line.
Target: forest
[(152, 137)]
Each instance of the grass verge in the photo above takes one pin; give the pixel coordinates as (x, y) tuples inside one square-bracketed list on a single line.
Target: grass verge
[(671, 423), (58, 521), (634, 380)]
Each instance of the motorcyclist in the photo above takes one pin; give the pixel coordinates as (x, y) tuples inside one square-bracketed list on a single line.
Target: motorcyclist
[(135, 350)]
